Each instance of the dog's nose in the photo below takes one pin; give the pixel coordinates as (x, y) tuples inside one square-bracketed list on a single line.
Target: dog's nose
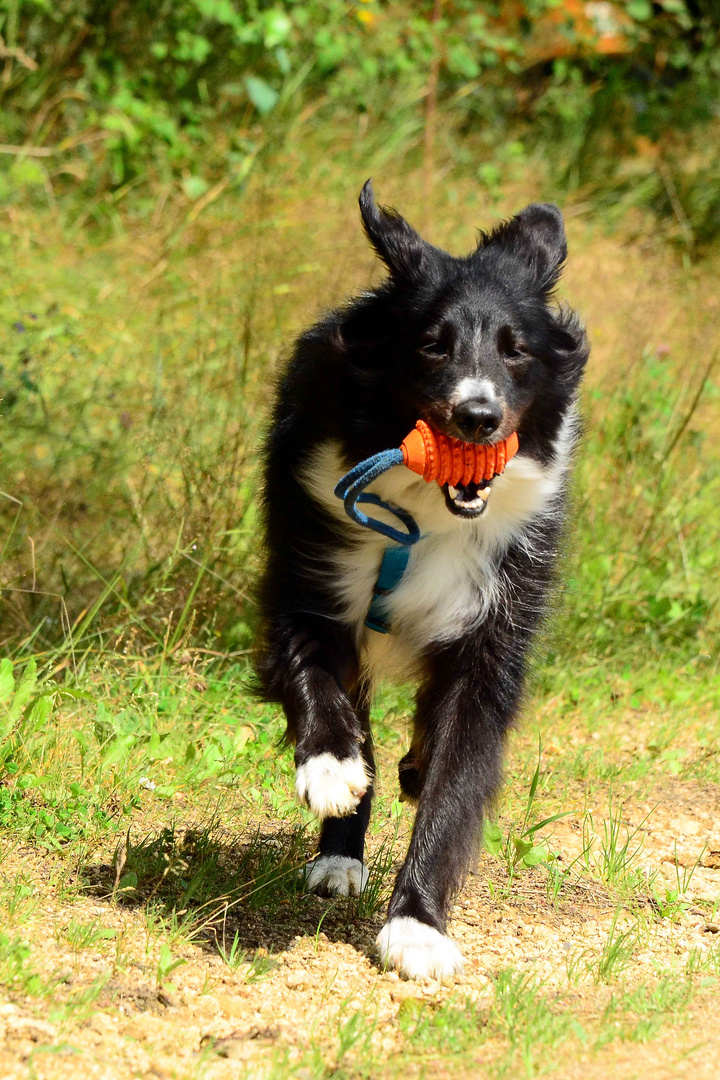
[(477, 419)]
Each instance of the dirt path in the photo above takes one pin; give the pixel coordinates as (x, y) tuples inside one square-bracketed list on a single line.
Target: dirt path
[(312, 1000)]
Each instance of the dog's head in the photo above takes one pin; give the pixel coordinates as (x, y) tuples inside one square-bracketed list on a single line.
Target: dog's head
[(477, 347)]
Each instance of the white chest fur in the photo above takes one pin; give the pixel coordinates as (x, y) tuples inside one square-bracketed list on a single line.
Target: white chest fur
[(453, 578)]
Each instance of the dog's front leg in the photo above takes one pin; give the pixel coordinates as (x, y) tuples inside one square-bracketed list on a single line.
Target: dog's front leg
[(314, 677), (339, 869), (465, 704)]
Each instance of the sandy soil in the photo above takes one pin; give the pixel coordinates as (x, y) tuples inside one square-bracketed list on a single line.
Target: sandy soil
[(212, 1021)]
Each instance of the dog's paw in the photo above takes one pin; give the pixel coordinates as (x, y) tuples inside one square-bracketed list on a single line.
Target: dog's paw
[(418, 951), (331, 787), (335, 875)]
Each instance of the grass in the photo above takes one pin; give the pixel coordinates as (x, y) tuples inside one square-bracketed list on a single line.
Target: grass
[(150, 842)]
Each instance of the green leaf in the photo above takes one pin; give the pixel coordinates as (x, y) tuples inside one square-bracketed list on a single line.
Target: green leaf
[(128, 881), (24, 690), (277, 28), (194, 186), (166, 964), (7, 682), (640, 10), (522, 848), (535, 856), (263, 96), (492, 837), (27, 173)]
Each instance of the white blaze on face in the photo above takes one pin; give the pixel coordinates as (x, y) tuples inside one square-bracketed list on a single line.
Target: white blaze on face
[(474, 390)]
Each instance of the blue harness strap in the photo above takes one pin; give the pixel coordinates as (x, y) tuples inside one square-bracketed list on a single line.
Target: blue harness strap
[(351, 489), (393, 566)]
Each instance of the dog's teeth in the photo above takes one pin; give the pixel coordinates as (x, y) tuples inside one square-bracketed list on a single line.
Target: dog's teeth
[(453, 491)]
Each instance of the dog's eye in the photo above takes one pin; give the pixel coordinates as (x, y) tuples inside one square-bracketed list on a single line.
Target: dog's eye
[(512, 349), (516, 358), (436, 350)]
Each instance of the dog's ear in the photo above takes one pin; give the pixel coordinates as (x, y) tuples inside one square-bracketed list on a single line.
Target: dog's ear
[(537, 237), (401, 249)]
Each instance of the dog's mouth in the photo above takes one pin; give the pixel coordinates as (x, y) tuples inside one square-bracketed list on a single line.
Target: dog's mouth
[(467, 500)]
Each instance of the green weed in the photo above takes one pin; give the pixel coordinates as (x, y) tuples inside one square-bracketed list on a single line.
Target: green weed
[(614, 853), (17, 976), (453, 1026), (615, 955), (520, 1014), (18, 899), (87, 935), (234, 957), (522, 847), (380, 870), (166, 964), (640, 1014), (701, 960)]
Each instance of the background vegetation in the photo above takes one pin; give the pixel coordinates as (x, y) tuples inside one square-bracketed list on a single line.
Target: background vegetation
[(111, 97)]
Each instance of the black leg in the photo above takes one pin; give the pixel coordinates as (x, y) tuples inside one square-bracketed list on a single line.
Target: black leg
[(313, 672), (465, 707), (410, 767), (468, 698), (345, 836)]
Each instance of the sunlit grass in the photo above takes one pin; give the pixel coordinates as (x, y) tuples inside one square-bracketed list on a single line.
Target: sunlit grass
[(137, 765)]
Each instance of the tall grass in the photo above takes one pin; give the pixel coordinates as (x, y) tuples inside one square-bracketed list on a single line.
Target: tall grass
[(136, 371)]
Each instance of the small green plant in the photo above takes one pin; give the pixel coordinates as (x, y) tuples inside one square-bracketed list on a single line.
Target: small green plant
[(16, 972), (18, 899), (613, 958), (455, 1025), (355, 1035), (640, 1014), (704, 959), (165, 966), (617, 952), (380, 870), (524, 1015), (261, 966), (81, 936), (672, 902), (614, 854), (235, 955), (522, 848)]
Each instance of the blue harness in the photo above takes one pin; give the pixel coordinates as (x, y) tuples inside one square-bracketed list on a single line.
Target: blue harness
[(351, 489)]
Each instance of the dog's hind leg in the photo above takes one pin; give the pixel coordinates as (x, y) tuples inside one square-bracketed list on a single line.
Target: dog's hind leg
[(410, 767)]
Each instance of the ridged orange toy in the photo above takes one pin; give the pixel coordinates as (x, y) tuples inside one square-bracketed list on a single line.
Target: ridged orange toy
[(430, 454), (436, 456)]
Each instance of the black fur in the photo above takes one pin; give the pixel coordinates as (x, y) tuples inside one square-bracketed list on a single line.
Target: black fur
[(362, 376)]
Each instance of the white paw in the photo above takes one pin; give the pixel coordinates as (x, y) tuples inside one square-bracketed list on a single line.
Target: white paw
[(335, 875), (331, 787), (417, 950)]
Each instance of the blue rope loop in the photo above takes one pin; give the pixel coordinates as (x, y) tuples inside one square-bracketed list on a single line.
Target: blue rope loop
[(351, 489)]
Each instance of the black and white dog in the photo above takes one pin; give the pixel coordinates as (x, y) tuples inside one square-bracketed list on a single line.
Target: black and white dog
[(475, 347)]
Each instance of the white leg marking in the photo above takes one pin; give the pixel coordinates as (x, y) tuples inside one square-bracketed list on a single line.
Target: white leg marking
[(331, 787), (335, 875), (417, 950)]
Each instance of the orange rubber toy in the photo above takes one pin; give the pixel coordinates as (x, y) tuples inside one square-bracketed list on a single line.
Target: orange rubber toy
[(435, 456), (432, 455)]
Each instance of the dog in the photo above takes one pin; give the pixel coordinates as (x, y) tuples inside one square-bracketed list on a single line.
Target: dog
[(477, 348)]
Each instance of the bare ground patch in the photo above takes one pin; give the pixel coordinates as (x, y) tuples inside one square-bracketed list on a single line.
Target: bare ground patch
[(308, 996)]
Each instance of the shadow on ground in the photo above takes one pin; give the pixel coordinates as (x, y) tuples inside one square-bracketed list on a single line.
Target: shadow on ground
[(236, 899)]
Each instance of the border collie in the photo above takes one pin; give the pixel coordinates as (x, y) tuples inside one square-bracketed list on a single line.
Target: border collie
[(476, 347)]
